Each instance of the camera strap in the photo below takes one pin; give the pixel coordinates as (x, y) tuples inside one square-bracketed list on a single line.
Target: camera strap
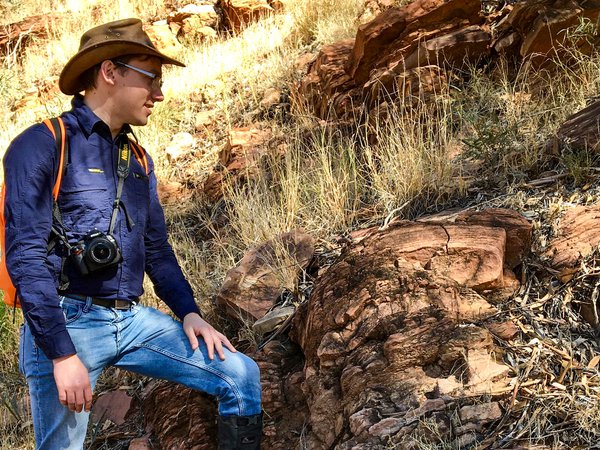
[(123, 166)]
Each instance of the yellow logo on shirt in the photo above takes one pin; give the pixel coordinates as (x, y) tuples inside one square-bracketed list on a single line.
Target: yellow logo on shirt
[(94, 170)]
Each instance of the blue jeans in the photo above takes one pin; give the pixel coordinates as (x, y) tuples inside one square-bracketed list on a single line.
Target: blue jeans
[(141, 340)]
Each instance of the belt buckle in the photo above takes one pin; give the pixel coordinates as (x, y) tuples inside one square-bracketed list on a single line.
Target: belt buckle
[(122, 304)]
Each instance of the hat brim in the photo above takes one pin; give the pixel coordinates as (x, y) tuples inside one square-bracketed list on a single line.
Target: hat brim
[(69, 81)]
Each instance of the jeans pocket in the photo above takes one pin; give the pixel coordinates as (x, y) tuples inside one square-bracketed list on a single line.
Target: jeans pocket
[(72, 310)]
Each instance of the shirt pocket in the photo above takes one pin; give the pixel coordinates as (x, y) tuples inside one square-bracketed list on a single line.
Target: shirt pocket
[(85, 202)]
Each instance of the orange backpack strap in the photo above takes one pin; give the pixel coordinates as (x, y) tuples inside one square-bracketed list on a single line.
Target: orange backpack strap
[(57, 128), (140, 154)]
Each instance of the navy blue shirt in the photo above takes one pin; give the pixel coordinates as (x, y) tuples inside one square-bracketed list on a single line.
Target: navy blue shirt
[(86, 199)]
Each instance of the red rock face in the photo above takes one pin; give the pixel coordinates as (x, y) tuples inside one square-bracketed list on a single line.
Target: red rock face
[(388, 331), (446, 34), (15, 36)]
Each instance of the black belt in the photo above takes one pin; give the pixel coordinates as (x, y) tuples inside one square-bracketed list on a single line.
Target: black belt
[(107, 303)]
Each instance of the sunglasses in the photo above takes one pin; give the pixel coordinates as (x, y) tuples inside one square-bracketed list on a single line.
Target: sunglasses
[(157, 81)]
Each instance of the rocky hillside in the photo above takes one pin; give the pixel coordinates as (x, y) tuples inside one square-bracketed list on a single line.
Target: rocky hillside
[(460, 316)]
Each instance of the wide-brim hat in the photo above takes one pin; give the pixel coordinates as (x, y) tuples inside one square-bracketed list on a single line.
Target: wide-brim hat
[(110, 40)]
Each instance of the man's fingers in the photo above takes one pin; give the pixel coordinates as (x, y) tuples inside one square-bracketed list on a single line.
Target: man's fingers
[(62, 397), (79, 401), (219, 348), (88, 396), (71, 402), (192, 338), (228, 344), (209, 340)]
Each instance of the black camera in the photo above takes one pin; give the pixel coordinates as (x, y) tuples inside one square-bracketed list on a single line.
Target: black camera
[(94, 252)]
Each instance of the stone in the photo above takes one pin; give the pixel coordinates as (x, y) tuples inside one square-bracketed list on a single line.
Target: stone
[(386, 427), (270, 321), (204, 119), (252, 288), (203, 15), (179, 417), (112, 406), (160, 33), (36, 98), (482, 413), (546, 33), (15, 37), (239, 159), (271, 97), (326, 86), (390, 30), (173, 192), (240, 13), (582, 129), (363, 420), (475, 256), (504, 330), (387, 333), (180, 146), (576, 237), (518, 231)]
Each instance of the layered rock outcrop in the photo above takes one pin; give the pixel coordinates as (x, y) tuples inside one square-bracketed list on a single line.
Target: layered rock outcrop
[(443, 35), (392, 334), (396, 340)]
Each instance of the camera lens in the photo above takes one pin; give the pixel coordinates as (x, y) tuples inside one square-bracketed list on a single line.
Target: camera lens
[(102, 252)]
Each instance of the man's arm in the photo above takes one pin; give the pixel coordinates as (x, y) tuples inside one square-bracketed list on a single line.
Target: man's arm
[(169, 282), (29, 173)]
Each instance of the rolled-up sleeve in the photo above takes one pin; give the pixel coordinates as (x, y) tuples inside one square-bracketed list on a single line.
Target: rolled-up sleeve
[(29, 170)]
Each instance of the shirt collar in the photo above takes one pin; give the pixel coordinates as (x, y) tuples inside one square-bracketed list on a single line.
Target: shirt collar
[(90, 122)]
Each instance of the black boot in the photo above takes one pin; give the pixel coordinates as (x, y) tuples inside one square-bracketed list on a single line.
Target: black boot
[(240, 432)]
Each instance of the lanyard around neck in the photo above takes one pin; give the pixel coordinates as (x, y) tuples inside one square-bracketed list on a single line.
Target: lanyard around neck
[(123, 165)]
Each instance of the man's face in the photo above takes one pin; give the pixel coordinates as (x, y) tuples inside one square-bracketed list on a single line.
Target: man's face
[(135, 92)]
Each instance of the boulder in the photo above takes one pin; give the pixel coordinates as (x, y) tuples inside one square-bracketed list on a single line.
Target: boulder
[(160, 33), (390, 334), (180, 146), (239, 13), (582, 129), (238, 160), (577, 236), (252, 288), (194, 22), (179, 417), (395, 34), (327, 88), (449, 34)]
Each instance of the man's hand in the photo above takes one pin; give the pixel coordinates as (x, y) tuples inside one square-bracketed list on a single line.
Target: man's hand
[(73, 383), (194, 325)]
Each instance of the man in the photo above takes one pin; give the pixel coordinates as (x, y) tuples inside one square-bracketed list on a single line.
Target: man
[(79, 294)]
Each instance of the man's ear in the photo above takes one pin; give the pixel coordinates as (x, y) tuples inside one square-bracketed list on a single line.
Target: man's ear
[(106, 74)]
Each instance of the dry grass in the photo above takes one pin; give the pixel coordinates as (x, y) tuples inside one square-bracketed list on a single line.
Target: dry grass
[(492, 128)]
